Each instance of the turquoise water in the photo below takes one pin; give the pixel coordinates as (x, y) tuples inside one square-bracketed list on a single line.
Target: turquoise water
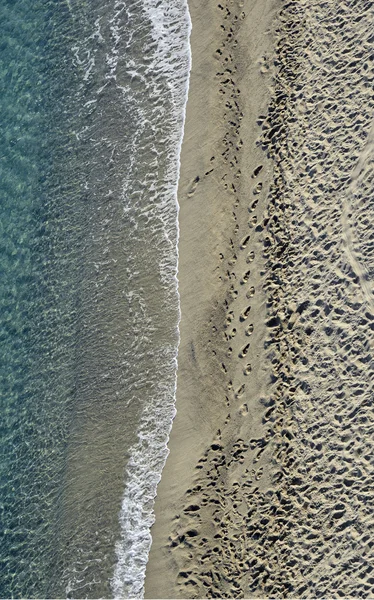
[(38, 298), (92, 110)]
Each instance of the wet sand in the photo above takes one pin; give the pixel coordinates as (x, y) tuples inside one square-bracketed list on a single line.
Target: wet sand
[(219, 163), (266, 491)]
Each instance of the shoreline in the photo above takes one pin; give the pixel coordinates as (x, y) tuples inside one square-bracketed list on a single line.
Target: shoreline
[(220, 171), (266, 489)]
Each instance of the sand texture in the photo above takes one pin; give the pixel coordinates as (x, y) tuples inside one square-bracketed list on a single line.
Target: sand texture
[(268, 488)]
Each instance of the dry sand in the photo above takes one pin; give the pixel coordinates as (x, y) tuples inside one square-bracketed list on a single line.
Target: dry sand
[(268, 487)]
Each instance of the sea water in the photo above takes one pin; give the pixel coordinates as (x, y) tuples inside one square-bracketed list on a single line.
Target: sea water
[(92, 110)]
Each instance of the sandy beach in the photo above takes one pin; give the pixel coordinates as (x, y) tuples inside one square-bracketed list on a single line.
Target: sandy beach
[(266, 489)]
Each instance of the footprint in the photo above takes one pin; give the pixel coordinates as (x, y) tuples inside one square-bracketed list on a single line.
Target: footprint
[(239, 392), (252, 221), (229, 318), (250, 293), (257, 189), (247, 369), (244, 351), (244, 242), (257, 171), (245, 278), (245, 314), (193, 186), (192, 508), (233, 292), (250, 257)]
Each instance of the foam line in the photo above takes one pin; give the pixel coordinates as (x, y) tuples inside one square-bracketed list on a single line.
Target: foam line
[(171, 27)]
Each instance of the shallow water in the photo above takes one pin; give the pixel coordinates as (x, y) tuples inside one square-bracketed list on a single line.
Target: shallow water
[(92, 111)]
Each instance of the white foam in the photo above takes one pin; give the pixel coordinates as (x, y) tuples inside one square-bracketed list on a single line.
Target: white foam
[(171, 59)]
